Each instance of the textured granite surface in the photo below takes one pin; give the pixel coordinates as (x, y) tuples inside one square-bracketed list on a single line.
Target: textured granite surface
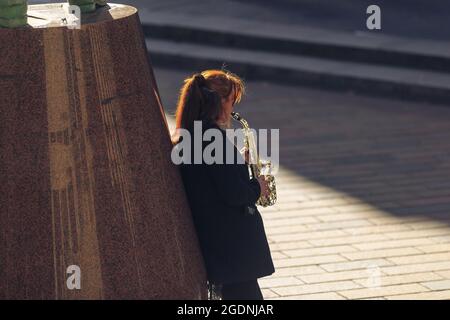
[(85, 171)]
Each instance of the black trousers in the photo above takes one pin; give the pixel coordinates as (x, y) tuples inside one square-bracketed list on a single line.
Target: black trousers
[(248, 290)]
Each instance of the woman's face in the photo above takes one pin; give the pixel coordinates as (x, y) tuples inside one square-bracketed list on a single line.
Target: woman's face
[(227, 108)]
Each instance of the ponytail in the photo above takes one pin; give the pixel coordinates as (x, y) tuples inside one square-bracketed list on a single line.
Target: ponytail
[(197, 102)]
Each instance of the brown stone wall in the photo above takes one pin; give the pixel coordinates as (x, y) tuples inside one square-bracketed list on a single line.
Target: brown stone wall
[(85, 171)]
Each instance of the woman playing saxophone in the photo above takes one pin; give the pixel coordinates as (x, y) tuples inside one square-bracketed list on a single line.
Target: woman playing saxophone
[(232, 239)]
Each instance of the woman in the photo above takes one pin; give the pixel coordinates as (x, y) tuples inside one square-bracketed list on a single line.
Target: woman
[(232, 237)]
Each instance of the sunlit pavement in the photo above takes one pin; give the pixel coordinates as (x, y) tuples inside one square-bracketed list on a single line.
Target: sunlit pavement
[(363, 206)]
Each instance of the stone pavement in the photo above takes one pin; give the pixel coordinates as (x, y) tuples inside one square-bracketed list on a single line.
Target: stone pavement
[(405, 18), (364, 201), (295, 44)]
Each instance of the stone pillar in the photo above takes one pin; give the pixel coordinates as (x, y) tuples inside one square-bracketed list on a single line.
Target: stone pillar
[(85, 172)]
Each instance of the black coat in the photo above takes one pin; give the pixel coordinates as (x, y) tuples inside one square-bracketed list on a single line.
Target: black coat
[(233, 243)]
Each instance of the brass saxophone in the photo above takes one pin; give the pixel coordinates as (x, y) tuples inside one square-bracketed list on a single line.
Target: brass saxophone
[(257, 166)]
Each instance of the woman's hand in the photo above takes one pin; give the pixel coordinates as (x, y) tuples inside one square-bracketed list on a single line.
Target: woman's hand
[(264, 186), (245, 154)]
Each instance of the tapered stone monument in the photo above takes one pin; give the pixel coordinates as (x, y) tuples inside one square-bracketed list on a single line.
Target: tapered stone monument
[(86, 178)]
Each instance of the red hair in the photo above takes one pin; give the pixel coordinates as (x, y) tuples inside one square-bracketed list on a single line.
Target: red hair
[(200, 97)]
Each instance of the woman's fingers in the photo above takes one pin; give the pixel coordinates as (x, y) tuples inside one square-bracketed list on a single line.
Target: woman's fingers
[(264, 186), (245, 154)]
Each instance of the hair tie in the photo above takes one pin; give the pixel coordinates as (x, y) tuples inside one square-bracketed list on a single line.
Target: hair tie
[(200, 79)]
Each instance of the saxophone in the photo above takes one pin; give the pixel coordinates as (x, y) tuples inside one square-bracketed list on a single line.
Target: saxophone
[(257, 166)]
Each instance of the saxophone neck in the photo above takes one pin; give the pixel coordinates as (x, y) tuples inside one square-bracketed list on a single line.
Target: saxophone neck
[(236, 116), (249, 140)]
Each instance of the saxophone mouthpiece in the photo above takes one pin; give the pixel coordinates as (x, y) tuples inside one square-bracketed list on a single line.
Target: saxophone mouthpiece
[(236, 116)]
